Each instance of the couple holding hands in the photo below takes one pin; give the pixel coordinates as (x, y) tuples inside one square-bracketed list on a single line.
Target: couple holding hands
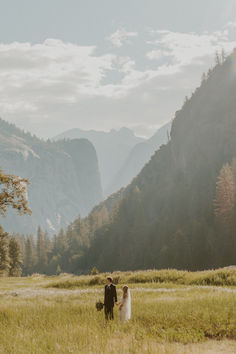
[(110, 298)]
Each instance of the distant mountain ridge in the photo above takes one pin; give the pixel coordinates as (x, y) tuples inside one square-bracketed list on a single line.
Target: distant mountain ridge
[(64, 178), (112, 149), (121, 154), (138, 157)]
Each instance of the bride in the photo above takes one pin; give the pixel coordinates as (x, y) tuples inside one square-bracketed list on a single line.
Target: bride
[(125, 305)]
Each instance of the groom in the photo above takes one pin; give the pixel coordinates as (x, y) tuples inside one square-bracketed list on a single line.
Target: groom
[(110, 297)]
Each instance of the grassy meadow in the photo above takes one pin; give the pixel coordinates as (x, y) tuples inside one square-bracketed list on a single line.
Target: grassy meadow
[(172, 312)]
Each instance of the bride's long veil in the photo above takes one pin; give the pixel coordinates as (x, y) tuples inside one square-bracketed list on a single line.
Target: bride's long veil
[(129, 305)]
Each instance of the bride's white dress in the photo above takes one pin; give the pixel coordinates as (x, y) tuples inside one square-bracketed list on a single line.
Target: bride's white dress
[(125, 311)]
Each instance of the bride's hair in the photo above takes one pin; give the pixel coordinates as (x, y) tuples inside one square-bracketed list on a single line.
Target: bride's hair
[(125, 291)]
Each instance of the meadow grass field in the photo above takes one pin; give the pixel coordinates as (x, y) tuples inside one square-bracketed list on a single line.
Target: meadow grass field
[(170, 314)]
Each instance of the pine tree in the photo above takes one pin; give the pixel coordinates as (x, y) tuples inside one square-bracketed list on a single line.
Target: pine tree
[(217, 58), (209, 73), (204, 78), (4, 255), (223, 55), (58, 271), (21, 241), (29, 260), (233, 168), (186, 99), (225, 195), (42, 259), (15, 258), (47, 243)]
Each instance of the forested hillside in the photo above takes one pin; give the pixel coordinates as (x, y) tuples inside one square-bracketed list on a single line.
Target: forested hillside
[(167, 217), (180, 210), (64, 179)]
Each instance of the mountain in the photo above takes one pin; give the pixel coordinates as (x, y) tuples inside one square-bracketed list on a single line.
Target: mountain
[(137, 158), (64, 178), (112, 149), (166, 217)]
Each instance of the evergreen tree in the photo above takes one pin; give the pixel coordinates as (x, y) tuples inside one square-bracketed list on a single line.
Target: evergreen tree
[(4, 252), (226, 210), (233, 168), (42, 259), (209, 73), (58, 272), (15, 258), (223, 55), (225, 195), (186, 99), (29, 260), (204, 78), (217, 58)]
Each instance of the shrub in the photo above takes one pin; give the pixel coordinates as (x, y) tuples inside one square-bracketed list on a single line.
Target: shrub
[(94, 271)]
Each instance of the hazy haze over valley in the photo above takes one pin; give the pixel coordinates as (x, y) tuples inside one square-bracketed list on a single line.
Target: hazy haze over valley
[(121, 154)]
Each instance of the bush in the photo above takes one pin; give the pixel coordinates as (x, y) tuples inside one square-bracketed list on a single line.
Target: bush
[(94, 271)]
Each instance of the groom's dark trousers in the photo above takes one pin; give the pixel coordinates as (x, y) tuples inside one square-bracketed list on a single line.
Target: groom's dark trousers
[(110, 297)]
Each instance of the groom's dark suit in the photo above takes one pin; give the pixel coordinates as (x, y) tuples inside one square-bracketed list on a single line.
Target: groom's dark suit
[(110, 297)]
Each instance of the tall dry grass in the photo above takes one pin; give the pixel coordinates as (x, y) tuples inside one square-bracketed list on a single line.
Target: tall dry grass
[(219, 277)]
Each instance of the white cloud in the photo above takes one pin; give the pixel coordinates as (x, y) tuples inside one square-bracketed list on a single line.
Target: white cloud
[(231, 25), (52, 62), (121, 37), (185, 48), (157, 54), (53, 86)]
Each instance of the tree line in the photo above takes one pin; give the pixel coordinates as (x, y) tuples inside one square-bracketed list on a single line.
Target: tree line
[(65, 251)]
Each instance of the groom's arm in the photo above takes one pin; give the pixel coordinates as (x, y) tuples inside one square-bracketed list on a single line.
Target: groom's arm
[(104, 295), (115, 294)]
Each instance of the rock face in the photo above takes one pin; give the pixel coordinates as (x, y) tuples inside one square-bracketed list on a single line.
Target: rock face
[(138, 157), (64, 178), (112, 149)]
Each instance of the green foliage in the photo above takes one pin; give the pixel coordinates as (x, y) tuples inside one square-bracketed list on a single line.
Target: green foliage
[(58, 269), (4, 253), (10, 255), (13, 191), (42, 259), (29, 257), (15, 262)]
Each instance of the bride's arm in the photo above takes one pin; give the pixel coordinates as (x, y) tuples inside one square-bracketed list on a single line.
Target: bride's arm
[(119, 303), (122, 303)]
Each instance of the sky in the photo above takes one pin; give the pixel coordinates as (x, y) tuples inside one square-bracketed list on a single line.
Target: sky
[(106, 64)]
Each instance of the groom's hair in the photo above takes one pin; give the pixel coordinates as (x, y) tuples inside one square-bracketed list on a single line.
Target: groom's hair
[(110, 279)]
